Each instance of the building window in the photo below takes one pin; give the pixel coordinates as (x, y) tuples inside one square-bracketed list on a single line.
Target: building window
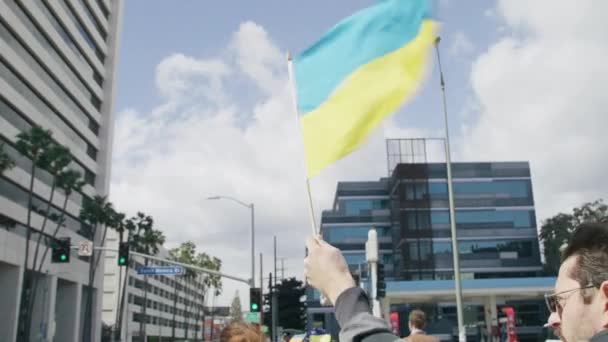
[(362, 207), (343, 234), (524, 248)]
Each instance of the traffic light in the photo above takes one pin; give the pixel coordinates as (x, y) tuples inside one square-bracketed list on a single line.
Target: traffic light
[(254, 299), (61, 250), (381, 284), (356, 278), (123, 254)]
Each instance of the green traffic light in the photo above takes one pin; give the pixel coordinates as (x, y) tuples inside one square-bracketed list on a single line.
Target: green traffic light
[(121, 260), (63, 257), (254, 306)]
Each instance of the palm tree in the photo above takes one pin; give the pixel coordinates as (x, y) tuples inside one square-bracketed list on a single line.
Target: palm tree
[(6, 162), (55, 160), (32, 144), (129, 227), (151, 241), (146, 240), (69, 181), (94, 213)]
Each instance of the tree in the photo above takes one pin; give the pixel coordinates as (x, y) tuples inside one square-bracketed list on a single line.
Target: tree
[(557, 230), (69, 181), (209, 281), (55, 160), (31, 144), (186, 254), (94, 213), (6, 162), (291, 311), (133, 227), (146, 241), (236, 312)]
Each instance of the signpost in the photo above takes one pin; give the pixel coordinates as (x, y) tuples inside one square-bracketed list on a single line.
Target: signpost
[(85, 248), (161, 270)]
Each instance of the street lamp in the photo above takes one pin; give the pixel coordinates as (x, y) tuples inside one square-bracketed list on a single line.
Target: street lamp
[(251, 207)]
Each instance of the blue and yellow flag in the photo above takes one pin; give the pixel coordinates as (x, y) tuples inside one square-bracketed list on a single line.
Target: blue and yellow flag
[(357, 74)]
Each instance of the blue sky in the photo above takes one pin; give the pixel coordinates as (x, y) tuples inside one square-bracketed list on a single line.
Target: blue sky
[(153, 29), (203, 109)]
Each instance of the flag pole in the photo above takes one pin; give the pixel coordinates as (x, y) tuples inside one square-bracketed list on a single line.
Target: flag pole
[(294, 100), (311, 210), (456, 259)]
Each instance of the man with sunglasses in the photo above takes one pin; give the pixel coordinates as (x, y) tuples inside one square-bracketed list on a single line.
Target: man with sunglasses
[(579, 306)]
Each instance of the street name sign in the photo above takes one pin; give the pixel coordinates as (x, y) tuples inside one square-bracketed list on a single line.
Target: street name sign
[(161, 270)]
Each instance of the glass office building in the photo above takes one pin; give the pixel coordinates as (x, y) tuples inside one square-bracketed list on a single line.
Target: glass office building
[(496, 228)]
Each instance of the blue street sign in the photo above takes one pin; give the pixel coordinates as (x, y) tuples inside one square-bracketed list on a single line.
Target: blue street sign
[(161, 270)]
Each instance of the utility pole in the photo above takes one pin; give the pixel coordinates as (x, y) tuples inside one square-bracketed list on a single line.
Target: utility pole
[(274, 297), (261, 291)]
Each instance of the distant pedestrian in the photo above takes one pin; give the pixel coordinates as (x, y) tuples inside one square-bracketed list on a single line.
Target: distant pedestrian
[(417, 324)]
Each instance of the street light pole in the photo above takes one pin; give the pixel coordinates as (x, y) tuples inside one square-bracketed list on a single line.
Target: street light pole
[(252, 208)]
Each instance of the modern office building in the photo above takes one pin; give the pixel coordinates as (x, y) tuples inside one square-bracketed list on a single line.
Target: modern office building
[(497, 240), (175, 305), (57, 70)]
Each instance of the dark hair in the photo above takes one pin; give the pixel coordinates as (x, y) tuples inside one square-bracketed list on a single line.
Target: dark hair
[(241, 332), (589, 243), (418, 319)]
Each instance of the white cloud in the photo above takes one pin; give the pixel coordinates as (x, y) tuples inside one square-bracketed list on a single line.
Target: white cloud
[(461, 44), (195, 145), (542, 99)]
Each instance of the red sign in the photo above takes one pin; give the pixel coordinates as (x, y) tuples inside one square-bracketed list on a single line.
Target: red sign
[(511, 328), (394, 318)]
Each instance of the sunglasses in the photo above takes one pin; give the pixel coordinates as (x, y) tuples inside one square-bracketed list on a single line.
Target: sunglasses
[(554, 300)]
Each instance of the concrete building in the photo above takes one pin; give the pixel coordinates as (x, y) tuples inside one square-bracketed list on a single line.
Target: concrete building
[(171, 301), (57, 70), (497, 238)]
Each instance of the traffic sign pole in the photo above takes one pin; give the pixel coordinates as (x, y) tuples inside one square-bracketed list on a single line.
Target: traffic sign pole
[(171, 262)]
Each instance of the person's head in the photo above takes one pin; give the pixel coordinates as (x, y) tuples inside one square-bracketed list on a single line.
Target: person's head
[(581, 291), (241, 332), (417, 320)]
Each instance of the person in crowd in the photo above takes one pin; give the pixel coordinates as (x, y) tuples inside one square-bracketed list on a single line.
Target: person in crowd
[(417, 323), (579, 305), (241, 332)]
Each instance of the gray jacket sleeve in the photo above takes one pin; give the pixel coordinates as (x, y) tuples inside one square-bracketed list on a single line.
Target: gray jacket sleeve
[(357, 323)]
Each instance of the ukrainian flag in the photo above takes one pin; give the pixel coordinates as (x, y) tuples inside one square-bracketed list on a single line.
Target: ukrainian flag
[(361, 71)]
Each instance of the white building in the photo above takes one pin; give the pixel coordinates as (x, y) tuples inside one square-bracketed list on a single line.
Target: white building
[(169, 299), (57, 70)]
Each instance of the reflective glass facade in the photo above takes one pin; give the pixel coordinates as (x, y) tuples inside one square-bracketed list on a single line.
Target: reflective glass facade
[(495, 221)]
